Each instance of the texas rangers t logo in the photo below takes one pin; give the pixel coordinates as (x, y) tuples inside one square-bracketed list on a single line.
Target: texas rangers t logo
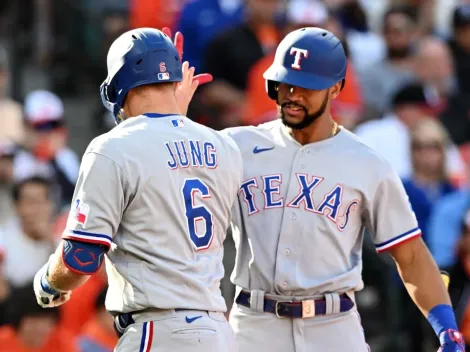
[(298, 57)]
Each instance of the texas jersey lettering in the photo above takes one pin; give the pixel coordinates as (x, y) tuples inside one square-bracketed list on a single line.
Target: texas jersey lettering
[(332, 204), (317, 205)]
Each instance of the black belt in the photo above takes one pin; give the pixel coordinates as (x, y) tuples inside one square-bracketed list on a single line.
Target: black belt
[(296, 309)]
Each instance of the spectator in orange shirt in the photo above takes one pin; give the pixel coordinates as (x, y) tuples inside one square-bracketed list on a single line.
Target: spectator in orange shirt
[(32, 328), (154, 13), (258, 108), (81, 308), (98, 334)]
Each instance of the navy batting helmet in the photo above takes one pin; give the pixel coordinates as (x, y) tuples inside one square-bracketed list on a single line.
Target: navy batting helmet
[(138, 57), (311, 58)]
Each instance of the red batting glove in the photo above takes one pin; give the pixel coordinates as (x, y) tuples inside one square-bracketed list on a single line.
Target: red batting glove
[(202, 78)]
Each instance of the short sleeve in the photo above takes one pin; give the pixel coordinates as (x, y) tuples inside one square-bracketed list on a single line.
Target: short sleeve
[(98, 202), (390, 217)]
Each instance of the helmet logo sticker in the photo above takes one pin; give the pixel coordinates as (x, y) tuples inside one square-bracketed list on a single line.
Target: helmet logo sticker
[(299, 55)]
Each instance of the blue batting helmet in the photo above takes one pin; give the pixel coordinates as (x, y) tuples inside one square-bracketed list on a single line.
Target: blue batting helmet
[(138, 57), (311, 58)]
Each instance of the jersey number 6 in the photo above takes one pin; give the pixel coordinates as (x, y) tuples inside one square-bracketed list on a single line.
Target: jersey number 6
[(195, 214)]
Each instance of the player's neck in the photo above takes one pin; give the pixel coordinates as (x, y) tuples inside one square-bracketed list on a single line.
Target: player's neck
[(163, 104), (319, 130)]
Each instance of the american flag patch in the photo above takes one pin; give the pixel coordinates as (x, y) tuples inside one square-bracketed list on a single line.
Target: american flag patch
[(178, 123), (164, 76), (81, 212)]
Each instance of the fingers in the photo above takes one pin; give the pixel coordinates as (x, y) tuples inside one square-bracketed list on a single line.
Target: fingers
[(167, 31), (185, 69), (191, 74), (179, 42), (188, 73), (194, 85), (203, 78)]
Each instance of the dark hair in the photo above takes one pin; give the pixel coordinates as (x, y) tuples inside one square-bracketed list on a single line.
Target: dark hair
[(354, 16), (404, 10), (49, 125), (7, 157), (412, 93), (461, 16), (22, 303), (38, 180)]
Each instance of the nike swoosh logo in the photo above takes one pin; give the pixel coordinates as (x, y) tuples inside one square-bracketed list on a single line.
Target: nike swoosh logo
[(260, 150), (190, 320)]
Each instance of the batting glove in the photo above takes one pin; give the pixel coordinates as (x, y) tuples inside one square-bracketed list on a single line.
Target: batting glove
[(451, 341), (46, 295)]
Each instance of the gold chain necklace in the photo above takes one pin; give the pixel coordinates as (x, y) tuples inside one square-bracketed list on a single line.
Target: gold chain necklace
[(335, 129)]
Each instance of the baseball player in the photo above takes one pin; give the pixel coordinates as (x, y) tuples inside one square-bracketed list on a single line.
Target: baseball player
[(153, 200), (310, 188)]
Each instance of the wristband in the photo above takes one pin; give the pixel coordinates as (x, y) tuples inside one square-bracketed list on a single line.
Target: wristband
[(442, 318), (46, 285)]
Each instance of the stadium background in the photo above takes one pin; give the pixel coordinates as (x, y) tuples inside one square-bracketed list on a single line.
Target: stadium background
[(407, 95)]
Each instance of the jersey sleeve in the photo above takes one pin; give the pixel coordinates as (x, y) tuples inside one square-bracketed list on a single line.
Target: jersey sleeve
[(390, 218), (98, 202)]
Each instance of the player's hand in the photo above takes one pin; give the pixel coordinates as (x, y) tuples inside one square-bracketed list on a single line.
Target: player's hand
[(186, 89), (202, 78), (188, 86), (451, 341), (46, 295)]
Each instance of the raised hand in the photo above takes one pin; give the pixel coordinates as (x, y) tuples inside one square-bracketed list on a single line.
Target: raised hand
[(188, 86)]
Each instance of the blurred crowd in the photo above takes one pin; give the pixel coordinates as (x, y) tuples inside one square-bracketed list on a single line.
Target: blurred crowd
[(406, 96)]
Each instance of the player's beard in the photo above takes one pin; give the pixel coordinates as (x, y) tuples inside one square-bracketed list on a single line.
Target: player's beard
[(308, 119)]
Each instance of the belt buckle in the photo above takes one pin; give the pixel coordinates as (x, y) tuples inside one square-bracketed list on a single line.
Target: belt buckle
[(276, 307), (308, 308)]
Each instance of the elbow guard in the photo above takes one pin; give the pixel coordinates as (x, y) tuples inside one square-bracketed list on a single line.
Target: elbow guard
[(83, 258)]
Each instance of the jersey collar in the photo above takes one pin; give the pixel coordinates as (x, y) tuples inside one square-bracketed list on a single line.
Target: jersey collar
[(154, 115)]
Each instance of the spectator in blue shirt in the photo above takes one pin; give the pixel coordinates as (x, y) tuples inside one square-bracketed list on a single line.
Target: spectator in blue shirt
[(445, 225), (428, 182), (201, 20)]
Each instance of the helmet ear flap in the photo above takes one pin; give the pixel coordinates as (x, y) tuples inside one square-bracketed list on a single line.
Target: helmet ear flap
[(108, 97), (271, 89)]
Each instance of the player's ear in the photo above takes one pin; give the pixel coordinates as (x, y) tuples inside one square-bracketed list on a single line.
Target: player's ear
[(335, 90)]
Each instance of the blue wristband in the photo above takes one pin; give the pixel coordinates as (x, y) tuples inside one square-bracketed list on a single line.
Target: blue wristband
[(442, 318), (46, 286)]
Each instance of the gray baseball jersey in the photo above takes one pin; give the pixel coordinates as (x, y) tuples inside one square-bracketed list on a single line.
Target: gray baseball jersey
[(158, 190), (302, 210)]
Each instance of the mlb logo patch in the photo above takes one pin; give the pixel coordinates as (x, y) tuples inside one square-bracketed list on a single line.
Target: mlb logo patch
[(178, 123), (164, 76), (81, 212)]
